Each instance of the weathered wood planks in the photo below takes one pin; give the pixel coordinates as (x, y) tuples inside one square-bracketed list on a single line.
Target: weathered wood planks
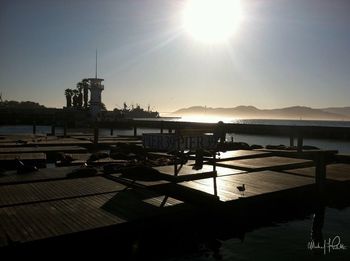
[(42, 220), (54, 190), (45, 149), (256, 183), (334, 172), (266, 163)]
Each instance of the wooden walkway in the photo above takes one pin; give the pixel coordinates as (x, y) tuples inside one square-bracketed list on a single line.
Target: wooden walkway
[(256, 184), (49, 203), (53, 190), (187, 172), (241, 154), (31, 222), (47, 174), (48, 149), (266, 163), (8, 160), (338, 172)]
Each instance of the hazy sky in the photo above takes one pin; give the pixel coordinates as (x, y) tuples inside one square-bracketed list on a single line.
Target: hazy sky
[(283, 53)]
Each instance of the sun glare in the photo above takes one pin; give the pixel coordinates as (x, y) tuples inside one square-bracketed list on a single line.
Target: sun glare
[(206, 118), (211, 21)]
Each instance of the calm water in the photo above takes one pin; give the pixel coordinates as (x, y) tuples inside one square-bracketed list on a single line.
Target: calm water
[(281, 241)]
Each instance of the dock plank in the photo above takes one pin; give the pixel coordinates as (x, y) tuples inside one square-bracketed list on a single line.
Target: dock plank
[(140, 204), (334, 172), (266, 163), (44, 149), (7, 160), (50, 219), (187, 172), (53, 190), (138, 182), (241, 154), (257, 183), (11, 177)]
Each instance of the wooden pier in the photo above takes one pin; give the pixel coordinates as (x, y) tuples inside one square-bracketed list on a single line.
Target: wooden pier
[(53, 206)]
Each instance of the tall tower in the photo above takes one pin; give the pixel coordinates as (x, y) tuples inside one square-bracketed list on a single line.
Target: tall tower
[(96, 89)]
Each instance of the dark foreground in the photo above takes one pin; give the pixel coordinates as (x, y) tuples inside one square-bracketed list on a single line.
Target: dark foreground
[(117, 206)]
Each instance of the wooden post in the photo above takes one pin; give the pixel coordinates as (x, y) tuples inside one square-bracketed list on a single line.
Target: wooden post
[(95, 135), (214, 161), (199, 158), (65, 130), (300, 143), (161, 127), (112, 131), (53, 130), (135, 130), (215, 174), (320, 175), (34, 127), (291, 140), (215, 186), (175, 166)]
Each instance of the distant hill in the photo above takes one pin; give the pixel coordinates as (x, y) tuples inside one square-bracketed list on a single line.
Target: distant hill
[(20, 105), (251, 112), (340, 110)]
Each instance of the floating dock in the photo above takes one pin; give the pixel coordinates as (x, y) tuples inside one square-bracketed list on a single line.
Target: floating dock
[(43, 207)]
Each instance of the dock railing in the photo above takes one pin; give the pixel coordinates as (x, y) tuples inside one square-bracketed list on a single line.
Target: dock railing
[(193, 141)]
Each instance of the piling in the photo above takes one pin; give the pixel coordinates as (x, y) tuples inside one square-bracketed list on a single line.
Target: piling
[(65, 130), (53, 130), (320, 175), (135, 130), (300, 143), (34, 127), (95, 135), (291, 140), (161, 127)]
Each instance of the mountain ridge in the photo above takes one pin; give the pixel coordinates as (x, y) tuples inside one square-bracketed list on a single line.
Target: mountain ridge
[(250, 112)]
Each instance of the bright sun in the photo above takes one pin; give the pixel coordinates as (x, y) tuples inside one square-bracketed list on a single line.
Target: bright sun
[(211, 21)]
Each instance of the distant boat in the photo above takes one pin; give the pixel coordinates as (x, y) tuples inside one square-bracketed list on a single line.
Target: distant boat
[(136, 112)]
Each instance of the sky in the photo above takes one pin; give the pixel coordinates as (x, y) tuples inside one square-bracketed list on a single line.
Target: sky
[(282, 53)]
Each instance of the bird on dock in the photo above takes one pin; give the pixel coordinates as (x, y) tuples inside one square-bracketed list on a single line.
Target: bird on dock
[(241, 189)]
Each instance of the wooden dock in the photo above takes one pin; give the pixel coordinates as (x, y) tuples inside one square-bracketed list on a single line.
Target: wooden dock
[(44, 149), (38, 159), (265, 163), (256, 184), (49, 205), (187, 172), (47, 174)]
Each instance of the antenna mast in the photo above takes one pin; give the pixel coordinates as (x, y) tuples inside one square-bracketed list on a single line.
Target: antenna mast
[(96, 65)]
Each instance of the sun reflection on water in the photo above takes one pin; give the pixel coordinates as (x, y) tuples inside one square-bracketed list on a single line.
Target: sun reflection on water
[(207, 119)]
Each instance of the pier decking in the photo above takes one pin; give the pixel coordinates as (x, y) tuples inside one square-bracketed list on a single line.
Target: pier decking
[(256, 184), (44, 149), (51, 203), (265, 163)]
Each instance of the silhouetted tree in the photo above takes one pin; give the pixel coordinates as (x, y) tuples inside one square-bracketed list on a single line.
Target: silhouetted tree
[(125, 107), (69, 93), (75, 98)]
